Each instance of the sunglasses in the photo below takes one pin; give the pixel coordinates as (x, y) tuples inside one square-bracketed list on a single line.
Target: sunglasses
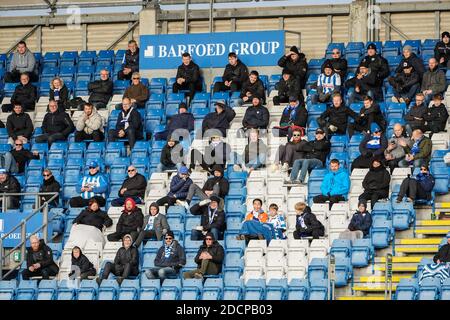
[(335, 52), (19, 144), (131, 170), (168, 238), (136, 78), (208, 238), (47, 175), (320, 132), (92, 168), (296, 135)]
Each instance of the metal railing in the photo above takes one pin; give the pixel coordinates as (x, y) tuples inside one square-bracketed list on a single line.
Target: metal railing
[(299, 40), (23, 226)]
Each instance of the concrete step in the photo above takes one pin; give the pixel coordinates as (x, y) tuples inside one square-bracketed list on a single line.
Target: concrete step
[(399, 259), (430, 223), (410, 268), (365, 298), (416, 250), (372, 287), (418, 241), (379, 279)]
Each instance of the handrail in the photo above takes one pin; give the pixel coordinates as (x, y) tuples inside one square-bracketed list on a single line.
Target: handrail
[(29, 33), (299, 34), (130, 28)]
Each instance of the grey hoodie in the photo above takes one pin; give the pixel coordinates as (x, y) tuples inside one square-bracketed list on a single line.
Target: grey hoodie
[(23, 62)]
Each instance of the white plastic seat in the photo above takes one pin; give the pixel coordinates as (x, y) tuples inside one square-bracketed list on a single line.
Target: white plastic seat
[(275, 273), (253, 273), (257, 244), (297, 272), (275, 258)]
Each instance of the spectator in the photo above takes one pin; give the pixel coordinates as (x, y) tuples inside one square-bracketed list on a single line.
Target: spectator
[(130, 62), (328, 83), (49, 184), (9, 184), (234, 75), (23, 61), (365, 83), (217, 185), (335, 185), (415, 115), (375, 183), (169, 259), (39, 260), (89, 125), (101, 90), (91, 186), (360, 224), (56, 126), (59, 92), (338, 63), (129, 124), (294, 116), (369, 113), (167, 156), (93, 216), (418, 188), (411, 59), (155, 226), (137, 92), (82, 268), (184, 120), (443, 255), (395, 151), (220, 119), (132, 187), (252, 87), (406, 83), (256, 116), (209, 259), (442, 50), (334, 120), (371, 147), (126, 262), (179, 187), (316, 153), (255, 154), (306, 224), (216, 153), (377, 64), (24, 94), (276, 219), (255, 225), (19, 125), (436, 116), (295, 62), (130, 222), (290, 152), (188, 77), (212, 219), (419, 153), (287, 87), (433, 82), (14, 161)]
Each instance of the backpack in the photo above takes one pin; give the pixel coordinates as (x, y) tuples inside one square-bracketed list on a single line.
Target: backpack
[(76, 103)]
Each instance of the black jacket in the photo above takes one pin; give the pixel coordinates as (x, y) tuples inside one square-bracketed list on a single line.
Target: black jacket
[(367, 83), (43, 256), (310, 220), (338, 117), (256, 89), (177, 258), (418, 112), (442, 50), (135, 186), (131, 60), (443, 254), (101, 91), (96, 219), (219, 154), (134, 121), (377, 179), (82, 262), (19, 125), (22, 157), (368, 152), (222, 182), (338, 64), (125, 256), (166, 157), (254, 150), (11, 185), (215, 250), (301, 116), (63, 97), (237, 74), (218, 121), (289, 88), (218, 221), (26, 95), (415, 61), (316, 149), (180, 121), (437, 116), (191, 73), (130, 222), (298, 68), (58, 122), (256, 117), (379, 66), (360, 222), (402, 81), (50, 185), (371, 114)]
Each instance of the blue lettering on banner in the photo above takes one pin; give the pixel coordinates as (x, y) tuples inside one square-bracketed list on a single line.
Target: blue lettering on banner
[(10, 220), (260, 48)]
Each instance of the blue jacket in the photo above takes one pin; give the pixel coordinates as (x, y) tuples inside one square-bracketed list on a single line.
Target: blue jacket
[(426, 181), (99, 183), (179, 187), (361, 223), (336, 183)]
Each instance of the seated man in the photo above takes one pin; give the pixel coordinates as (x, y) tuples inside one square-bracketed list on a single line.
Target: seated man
[(252, 87), (23, 61), (255, 225), (216, 153), (375, 183), (220, 119), (188, 77), (101, 90), (155, 226), (419, 153), (169, 259), (129, 124), (294, 116), (433, 82), (91, 186), (39, 260), (14, 161), (137, 92), (256, 116), (287, 87), (371, 147), (436, 116), (212, 219), (89, 125), (442, 50), (254, 156), (168, 160), (338, 63), (328, 83), (334, 120), (335, 185), (295, 62), (395, 151), (24, 94), (132, 187), (130, 62), (9, 184), (184, 120), (57, 125), (417, 188), (360, 224), (19, 125), (415, 115), (412, 59), (290, 152), (306, 223), (209, 259), (368, 114), (365, 83), (406, 83), (234, 75), (179, 187), (49, 184), (377, 64), (130, 222)]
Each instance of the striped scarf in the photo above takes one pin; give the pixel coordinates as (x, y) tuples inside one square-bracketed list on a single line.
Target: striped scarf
[(440, 271), (168, 250)]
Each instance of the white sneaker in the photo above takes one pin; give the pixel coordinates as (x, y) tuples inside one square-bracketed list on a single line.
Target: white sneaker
[(394, 99), (237, 168), (183, 204), (275, 167), (285, 167), (333, 128), (204, 202)]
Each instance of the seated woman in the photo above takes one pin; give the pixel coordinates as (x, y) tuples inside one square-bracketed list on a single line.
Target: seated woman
[(126, 262), (82, 268), (276, 219), (418, 188), (255, 225), (360, 224), (307, 224), (254, 156), (130, 221), (155, 226)]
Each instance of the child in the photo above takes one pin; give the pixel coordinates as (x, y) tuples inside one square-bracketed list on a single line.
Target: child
[(307, 224), (278, 222)]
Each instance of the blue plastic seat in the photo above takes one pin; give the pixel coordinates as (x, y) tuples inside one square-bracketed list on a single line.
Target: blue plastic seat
[(344, 271), (362, 252), (192, 289), (429, 289), (233, 289), (255, 289), (445, 290), (8, 289), (170, 289), (108, 290), (317, 269), (407, 289), (88, 290), (381, 233), (341, 248), (276, 289), (318, 289), (129, 290), (27, 290), (149, 289), (65, 291), (47, 290), (403, 215), (298, 289)]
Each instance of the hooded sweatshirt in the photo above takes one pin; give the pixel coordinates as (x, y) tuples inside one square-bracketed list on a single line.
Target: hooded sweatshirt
[(335, 183), (92, 123), (307, 221), (130, 221), (50, 185), (221, 181), (82, 262), (23, 62), (361, 221), (128, 255), (377, 179)]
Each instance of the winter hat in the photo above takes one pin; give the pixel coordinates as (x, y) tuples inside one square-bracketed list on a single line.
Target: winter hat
[(375, 127), (372, 46), (407, 48), (129, 200), (364, 64), (445, 34), (293, 99), (3, 171), (216, 167), (286, 71), (215, 198), (127, 236), (182, 106), (220, 104), (328, 65), (295, 50), (170, 234), (183, 170), (406, 65), (211, 235)]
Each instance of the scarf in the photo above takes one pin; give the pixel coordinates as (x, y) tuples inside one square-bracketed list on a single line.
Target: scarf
[(301, 220), (125, 118), (256, 214), (291, 111), (211, 214), (168, 250), (150, 223), (373, 143), (214, 144), (415, 148)]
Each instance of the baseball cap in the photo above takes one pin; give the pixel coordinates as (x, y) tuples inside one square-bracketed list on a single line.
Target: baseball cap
[(372, 46), (183, 170), (93, 164)]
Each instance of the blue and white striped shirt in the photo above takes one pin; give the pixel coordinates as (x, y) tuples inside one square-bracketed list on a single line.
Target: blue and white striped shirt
[(328, 83)]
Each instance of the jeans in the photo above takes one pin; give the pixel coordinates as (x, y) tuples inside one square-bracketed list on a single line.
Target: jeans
[(161, 167), (130, 134), (96, 135), (356, 97), (407, 93), (119, 202), (305, 165), (9, 163), (161, 273), (253, 163), (198, 235), (207, 267)]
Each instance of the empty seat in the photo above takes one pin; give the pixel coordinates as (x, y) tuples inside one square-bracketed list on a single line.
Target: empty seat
[(170, 289), (407, 289), (8, 289), (129, 290), (298, 289), (429, 289)]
